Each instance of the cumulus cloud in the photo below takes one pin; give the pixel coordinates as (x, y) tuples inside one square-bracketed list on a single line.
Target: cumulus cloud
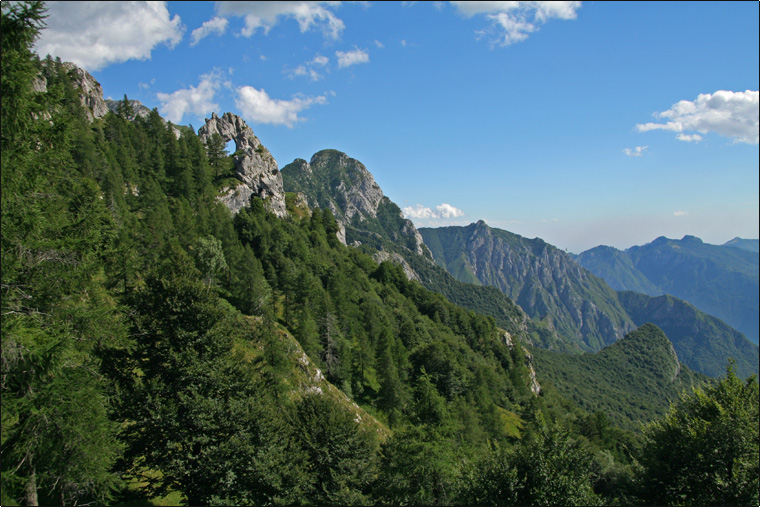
[(348, 58), (258, 106), (512, 22), (442, 211), (680, 213), (728, 114), (635, 152), (215, 25), (197, 100), (96, 34), (265, 15)]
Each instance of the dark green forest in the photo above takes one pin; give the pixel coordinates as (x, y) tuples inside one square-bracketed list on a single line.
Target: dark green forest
[(158, 350)]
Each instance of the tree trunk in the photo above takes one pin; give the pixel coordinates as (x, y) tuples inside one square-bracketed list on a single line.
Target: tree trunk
[(31, 486)]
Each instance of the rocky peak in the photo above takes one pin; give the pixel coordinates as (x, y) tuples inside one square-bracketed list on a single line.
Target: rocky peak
[(357, 188), (90, 91), (333, 180), (138, 108), (255, 167)]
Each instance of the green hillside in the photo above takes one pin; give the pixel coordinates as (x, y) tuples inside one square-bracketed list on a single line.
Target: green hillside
[(703, 342), (633, 380), (159, 348)]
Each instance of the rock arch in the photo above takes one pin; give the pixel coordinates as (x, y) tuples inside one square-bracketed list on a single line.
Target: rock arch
[(255, 167)]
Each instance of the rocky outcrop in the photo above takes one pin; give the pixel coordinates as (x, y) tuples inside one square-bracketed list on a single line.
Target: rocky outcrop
[(138, 109), (355, 194), (255, 167), (535, 387), (90, 91), (333, 180), (395, 258)]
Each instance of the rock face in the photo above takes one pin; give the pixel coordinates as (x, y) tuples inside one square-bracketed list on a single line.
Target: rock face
[(256, 168), (333, 180), (137, 107), (90, 91)]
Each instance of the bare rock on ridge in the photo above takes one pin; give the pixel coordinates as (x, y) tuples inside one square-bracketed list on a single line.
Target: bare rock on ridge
[(254, 165)]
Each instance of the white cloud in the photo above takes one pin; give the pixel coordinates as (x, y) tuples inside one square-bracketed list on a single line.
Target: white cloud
[(512, 22), (195, 99), (348, 58), (258, 106), (320, 60), (728, 114), (442, 211), (680, 213), (215, 25), (96, 34), (265, 15), (689, 137), (308, 68), (635, 152)]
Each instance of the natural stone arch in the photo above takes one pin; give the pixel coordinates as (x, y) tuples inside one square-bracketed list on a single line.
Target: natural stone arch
[(254, 165)]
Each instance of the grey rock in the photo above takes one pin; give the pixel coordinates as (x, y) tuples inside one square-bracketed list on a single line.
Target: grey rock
[(395, 258), (137, 107), (360, 193), (255, 167), (91, 93)]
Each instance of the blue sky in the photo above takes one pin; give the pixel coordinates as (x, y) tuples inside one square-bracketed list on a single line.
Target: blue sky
[(580, 123)]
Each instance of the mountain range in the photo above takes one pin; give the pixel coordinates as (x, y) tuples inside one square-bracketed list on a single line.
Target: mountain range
[(721, 280), (534, 291), (226, 332), (552, 301)]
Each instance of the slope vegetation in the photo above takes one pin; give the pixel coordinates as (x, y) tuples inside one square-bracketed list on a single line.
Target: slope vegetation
[(633, 380)]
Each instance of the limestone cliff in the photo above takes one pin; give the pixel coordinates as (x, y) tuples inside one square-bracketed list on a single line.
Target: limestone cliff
[(255, 167), (90, 91)]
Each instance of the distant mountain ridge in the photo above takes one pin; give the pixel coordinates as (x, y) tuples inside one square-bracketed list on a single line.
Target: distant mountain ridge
[(703, 342), (552, 287), (542, 279), (753, 245), (721, 280)]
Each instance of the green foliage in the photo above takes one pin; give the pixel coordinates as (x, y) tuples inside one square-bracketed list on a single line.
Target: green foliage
[(632, 380), (546, 468), (339, 453), (57, 313), (705, 451)]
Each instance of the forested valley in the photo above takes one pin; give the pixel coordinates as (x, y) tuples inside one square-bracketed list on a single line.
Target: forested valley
[(158, 350)]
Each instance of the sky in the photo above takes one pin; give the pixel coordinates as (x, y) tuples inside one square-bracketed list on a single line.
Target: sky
[(582, 123)]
